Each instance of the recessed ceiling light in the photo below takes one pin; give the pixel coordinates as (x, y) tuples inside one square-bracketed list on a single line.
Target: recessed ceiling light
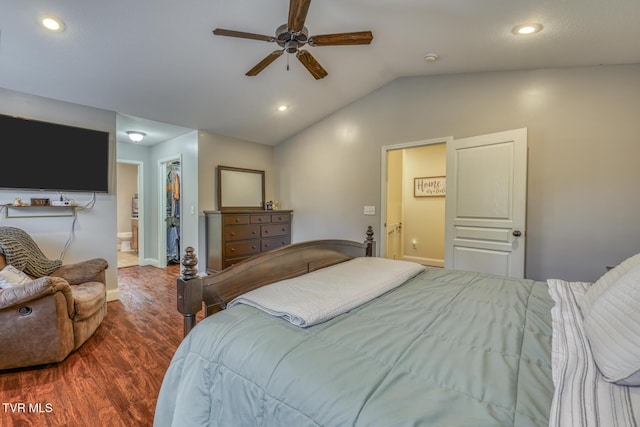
[(282, 108), (52, 23), (525, 29)]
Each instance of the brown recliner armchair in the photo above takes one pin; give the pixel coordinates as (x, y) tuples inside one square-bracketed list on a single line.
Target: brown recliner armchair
[(44, 320)]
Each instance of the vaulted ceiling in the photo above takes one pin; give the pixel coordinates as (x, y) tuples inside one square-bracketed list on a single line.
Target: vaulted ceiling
[(159, 60)]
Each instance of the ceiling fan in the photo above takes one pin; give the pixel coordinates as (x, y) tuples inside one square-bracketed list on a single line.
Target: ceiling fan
[(293, 35)]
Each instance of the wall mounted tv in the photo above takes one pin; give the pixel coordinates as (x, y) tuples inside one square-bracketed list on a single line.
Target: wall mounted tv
[(52, 157)]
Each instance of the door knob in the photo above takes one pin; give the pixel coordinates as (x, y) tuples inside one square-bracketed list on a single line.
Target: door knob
[(517, 233)]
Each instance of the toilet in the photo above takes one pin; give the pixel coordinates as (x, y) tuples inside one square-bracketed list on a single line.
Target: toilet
[(124, 241)]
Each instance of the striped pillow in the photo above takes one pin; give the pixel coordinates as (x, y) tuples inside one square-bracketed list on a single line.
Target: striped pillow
[(605, 282), (612, 326)]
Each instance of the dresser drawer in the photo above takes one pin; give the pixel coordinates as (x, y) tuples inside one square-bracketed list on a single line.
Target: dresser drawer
[(242, 248), (239, 234), (236, 219), (260, 219), (280, 218), (242, 232), (275, 242), (274, 230)]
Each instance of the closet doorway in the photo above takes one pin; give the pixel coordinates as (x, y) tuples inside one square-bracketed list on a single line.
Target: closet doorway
[(169, 233)]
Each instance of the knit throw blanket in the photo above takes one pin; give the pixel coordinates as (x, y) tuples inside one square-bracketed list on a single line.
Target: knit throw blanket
[(21, 251)]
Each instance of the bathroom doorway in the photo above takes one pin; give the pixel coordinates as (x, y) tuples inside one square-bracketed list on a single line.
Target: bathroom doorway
[(129, 213), (413, 224)]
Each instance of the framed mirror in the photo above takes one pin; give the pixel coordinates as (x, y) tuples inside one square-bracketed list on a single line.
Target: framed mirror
[(240, 188)]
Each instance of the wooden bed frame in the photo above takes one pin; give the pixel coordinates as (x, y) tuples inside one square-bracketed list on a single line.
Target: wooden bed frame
[(216, 290)]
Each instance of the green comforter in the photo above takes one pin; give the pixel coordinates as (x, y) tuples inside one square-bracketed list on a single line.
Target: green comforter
[(447, 348)]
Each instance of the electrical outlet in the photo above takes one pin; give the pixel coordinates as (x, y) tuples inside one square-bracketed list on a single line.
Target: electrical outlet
[(369, 210)]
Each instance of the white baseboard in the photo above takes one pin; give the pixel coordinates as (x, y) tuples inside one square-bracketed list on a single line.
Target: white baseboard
[(113, 295), (432, 262), (151, 261)]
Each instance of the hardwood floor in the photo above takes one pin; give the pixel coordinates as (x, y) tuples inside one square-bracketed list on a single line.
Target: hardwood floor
[(114, 378), (127, 259)]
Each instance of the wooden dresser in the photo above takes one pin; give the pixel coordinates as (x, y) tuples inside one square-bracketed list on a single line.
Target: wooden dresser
[(235, 235)]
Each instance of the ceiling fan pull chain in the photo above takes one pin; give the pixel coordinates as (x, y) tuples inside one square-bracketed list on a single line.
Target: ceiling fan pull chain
[(287, 62)]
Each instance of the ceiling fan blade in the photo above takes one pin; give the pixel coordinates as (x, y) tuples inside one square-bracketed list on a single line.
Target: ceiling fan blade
[(341, 39), (297, 14), (243, 35), (264, 63), (311, 64)]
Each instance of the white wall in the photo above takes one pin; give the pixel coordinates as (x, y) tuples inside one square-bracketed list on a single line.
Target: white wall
[(583, 134), (215, 150), (424, 220), (94, 232)]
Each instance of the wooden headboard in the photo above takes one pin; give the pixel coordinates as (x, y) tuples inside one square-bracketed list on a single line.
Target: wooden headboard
[(215, 291)]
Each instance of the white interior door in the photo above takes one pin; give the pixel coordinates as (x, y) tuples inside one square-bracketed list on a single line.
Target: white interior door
[(486, 203)]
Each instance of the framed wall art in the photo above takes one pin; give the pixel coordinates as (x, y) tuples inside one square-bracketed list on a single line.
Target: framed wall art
[(429, 186)]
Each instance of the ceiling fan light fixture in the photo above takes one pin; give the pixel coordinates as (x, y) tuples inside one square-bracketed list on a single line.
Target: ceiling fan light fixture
[(136, 136), (526, 29), (291, 46), (282, 108)]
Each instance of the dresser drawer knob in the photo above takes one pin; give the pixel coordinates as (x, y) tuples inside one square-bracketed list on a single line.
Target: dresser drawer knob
[(233, 249), (253, 246), (233, 234), (237, 219)]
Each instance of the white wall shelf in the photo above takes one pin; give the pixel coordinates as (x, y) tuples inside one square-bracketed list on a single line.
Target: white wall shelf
[(32, 211)]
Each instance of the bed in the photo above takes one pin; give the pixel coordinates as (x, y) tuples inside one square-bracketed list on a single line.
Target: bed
[(339, 338)]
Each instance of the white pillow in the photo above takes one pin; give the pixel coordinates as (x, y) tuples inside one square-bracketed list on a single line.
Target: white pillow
[(11, 276), (605, 282), (612, 326)]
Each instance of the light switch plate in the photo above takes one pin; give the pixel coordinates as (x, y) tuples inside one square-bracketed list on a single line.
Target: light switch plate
[(369, 210)]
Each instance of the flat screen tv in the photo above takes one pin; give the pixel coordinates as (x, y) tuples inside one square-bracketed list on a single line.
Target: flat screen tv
[(52, 157)]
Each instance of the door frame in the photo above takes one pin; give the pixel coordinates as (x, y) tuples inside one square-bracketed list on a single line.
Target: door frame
[(382, 234), (141, 198), (162, 206)]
